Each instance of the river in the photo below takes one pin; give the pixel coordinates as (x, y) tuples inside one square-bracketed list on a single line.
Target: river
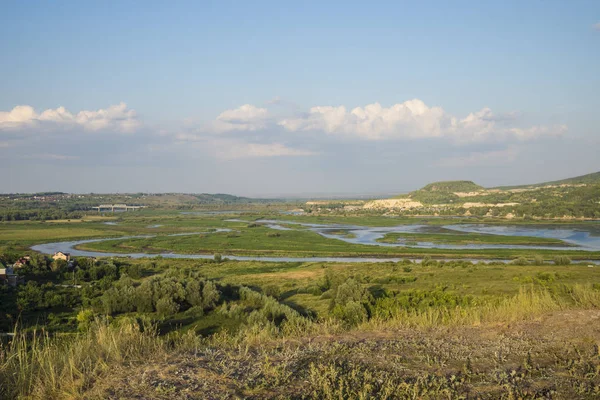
[(580, 238)]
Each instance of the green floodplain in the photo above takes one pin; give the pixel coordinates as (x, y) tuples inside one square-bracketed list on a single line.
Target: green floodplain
[(453, 325), (247, 238)]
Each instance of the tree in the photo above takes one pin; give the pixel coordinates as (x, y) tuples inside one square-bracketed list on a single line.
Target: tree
[(210, 295), (166, 307), (143, 297)]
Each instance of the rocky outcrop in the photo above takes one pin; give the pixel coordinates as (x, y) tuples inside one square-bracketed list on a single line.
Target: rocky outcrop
[(398, 204)]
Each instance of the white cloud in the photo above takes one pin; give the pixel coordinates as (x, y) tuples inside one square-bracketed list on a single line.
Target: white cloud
[(19, 115), (116, 117), (597, 26), (409, 120), (537, 131), (244, 118), (483, 158)]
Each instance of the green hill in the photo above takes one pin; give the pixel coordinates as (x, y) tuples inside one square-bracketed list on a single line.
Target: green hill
[(588, 179), (452, 186), (443, 192)]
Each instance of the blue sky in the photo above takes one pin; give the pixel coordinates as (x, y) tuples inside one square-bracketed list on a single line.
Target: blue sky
[(271, 98)]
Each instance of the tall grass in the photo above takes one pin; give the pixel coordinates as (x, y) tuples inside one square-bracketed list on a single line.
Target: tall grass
[(37, 365), (530, 302)]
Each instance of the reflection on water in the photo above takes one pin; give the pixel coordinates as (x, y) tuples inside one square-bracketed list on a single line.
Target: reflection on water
[(575, 238)]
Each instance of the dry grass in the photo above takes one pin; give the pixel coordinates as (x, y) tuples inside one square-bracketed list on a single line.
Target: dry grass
[(524, 360), (508, 349), (43, 367)]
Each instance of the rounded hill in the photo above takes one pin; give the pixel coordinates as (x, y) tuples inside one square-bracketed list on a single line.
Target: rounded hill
[(452, 186)]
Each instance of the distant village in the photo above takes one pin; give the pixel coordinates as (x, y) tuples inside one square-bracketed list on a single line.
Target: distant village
[(10, 277)]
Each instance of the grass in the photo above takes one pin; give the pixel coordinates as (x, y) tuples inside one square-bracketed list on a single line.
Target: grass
[(248, 239), (41, 366), (382, 359), (471, 238), (293, 344), (485, 282), (245, 240), (431, 330)]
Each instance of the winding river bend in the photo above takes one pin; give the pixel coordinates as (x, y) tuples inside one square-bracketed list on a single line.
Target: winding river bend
[(582, 238)]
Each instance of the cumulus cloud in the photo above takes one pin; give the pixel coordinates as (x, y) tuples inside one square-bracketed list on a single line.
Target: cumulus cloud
[(244, 118), (409, 120), (412, 119), (116, 117)]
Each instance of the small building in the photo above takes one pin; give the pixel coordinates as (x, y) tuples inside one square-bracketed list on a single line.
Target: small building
[(8, 277), (21, 262), (59, 255)]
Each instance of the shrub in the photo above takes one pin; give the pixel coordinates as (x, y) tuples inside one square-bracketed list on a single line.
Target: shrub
[(349, 291), (143, 297), (134, 271), (210, 295), (332, 279), (166, 306), (537, 260), (315, 290), (85, 319), (520, 261), (352, 313), (272, 290), (562, 260)]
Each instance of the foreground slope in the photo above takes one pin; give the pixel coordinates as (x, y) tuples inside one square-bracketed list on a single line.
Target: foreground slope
[(554, 356)]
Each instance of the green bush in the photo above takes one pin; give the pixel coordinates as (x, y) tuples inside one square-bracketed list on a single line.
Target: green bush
[(85, 319), (562, 260), (352, 313), (520, 261), (272, 290), (166, 307)]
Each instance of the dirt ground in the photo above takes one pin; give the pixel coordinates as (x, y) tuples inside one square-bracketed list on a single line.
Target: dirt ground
[(555, 356)]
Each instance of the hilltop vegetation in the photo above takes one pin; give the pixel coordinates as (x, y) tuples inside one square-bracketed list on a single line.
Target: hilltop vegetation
[(443, 192), (452, 186), (588, 179), (577, 197)]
